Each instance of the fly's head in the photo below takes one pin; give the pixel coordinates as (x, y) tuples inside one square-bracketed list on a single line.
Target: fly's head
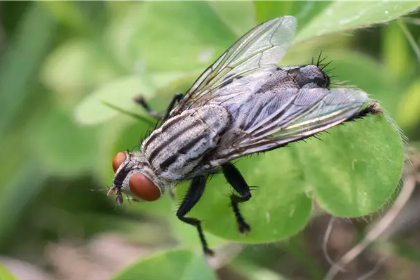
[(309, 76), (133, 176)]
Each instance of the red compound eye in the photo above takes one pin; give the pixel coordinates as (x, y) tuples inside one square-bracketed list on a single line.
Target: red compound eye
[(143, 188), (118, 159)]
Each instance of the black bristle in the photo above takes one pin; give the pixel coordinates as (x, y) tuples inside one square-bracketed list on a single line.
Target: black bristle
[(326, 65), (319, 57)]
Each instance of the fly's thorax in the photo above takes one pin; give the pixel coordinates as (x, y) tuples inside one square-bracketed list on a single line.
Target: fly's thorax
[(308, 76), (282, 79), (135, 177), (179, 145)]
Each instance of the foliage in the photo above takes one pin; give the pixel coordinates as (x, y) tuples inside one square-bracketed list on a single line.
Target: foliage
[(65, 59)]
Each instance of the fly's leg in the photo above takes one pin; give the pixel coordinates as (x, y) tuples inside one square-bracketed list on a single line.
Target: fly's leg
[(235, 179), (194, 193), (243, 226), (176, 98), (142, 102)]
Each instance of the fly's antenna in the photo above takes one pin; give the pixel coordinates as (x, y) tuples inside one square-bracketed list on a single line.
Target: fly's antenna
[(102, 189)]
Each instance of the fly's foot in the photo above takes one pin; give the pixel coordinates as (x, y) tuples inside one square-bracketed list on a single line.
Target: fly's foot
[(243, 227), (209, 252)]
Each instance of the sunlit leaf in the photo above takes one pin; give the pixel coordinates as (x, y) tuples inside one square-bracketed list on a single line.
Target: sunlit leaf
[(66, 13), (170, 265), (395, 51), (238, 16), (409, 108), (255, 272), (185, 35), (304, 11), (121, 93), (81, 65), (340, 16)]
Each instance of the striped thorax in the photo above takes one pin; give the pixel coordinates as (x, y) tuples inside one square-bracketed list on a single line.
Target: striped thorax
[(172, 152)]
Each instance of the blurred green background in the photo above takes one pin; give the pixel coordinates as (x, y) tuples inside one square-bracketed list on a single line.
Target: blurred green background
[(61, 60)]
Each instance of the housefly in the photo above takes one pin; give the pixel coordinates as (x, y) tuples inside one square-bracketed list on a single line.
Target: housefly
[(242, 104)]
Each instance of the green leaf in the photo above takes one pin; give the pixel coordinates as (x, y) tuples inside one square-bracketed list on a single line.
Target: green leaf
[(304, 11), (351, 172), (346, 15), (169, 265), (409, 108), (81, 65), (394, 42), (120, 32), (253, 271), (185, 36), (67, 13), (238, 16), (354, 170), (120, 93), (64, 147)]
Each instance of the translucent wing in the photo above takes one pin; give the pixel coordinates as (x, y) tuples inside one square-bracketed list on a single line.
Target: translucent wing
[(274, 119), (263, 46)]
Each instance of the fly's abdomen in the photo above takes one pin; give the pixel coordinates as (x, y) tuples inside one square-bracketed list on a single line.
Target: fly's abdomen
[(180, 143)]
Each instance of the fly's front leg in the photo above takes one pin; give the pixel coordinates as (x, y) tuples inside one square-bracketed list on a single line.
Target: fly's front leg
[(194, 193), (142, 102), (176, 98), (235, 179)]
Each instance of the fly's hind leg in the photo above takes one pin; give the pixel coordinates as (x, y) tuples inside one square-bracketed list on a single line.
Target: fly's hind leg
[(142, 102), (235, 179), (194, 193)]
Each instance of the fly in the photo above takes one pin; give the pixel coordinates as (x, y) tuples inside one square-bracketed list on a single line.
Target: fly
[(240, 105)]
